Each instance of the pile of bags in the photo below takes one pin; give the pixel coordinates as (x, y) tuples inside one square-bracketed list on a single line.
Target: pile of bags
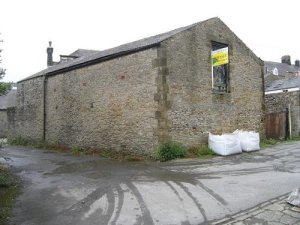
[(238, 141)]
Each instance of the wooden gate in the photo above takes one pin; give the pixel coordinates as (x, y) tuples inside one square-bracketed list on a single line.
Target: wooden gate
[(276, 125)]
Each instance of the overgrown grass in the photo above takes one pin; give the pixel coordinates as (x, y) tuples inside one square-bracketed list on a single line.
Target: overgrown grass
[(264, 143), (19, 141), (9, 190), (76, 150), (38, 144), (201, 151), (170, 150), (294, 138)]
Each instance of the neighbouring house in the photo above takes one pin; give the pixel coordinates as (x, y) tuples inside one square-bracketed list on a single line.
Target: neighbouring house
[(283, 70), (282, 98), (7, 102), (178, 85)]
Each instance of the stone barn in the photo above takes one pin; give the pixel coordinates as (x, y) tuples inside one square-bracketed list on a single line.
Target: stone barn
[(178, 85)]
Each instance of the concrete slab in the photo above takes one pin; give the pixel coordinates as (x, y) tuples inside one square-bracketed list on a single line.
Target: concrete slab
[(65, 189)]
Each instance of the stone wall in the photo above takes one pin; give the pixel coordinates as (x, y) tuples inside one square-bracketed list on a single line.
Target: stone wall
[(29, 111), (108, 105), (3, 123), (137, 101), (279, 102), (193, 109)]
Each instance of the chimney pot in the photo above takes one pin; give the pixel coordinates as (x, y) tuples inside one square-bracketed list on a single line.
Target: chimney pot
[(286, 59), (50, 55)]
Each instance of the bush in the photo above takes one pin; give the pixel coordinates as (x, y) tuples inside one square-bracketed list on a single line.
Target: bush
[(170, 150)]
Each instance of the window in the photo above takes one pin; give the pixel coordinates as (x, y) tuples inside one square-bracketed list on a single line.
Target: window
[(220, 62)]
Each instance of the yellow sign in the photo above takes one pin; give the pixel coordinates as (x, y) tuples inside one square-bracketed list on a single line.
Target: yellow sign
[(219, 57)]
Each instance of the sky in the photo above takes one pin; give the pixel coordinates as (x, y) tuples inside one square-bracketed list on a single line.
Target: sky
[(269, 27)]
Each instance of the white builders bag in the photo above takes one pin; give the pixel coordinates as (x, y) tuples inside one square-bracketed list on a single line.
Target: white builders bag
[(225, 144), (249, 140)]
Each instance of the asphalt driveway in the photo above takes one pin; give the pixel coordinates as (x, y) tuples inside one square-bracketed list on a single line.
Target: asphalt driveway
[(65, 189)]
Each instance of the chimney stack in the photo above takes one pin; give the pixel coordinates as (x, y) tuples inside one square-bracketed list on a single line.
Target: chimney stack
[(286, 59), (297, 63), (49, 55)]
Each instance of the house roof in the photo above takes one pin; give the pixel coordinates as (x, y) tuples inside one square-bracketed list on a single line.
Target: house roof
[(283, 84), (9, 100), (87, 57), (83, 52), (282, 68)]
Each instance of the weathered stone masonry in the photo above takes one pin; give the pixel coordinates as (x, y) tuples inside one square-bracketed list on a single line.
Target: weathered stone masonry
[(280, 102), (3, 123), (29, 111), (195, 110), (135, 101), (107, 105), (160, 63)]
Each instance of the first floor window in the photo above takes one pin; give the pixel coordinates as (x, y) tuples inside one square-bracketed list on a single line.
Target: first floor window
[(220, 62)]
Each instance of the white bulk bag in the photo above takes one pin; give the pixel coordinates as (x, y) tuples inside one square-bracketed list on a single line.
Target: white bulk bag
[(249, 140), (225, 144)]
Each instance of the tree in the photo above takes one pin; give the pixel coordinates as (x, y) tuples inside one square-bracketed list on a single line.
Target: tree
[(4, 86)]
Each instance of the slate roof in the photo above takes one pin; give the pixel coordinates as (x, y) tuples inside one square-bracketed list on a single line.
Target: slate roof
[(9, 100), (90, 57), (83, 52), (282, 68), (283, 84), (98, 56)]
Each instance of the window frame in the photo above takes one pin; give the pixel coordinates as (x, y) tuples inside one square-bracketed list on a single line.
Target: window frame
[(225, 67)]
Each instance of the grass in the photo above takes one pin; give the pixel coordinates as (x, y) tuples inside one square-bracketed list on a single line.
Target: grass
[(264, 143), (119, 155), (201, 151), (38, 144), (170, 151), (18, 141), (294, 138), (76, 150), (9, 190)]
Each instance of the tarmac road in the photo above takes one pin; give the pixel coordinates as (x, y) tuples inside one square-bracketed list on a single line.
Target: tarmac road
[(64, 189)]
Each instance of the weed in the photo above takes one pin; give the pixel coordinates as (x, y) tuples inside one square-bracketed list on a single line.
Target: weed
[(264, 143), (201, 151), (19, 141), (294, 138), (9, 190), (77, 150), (170, 150)]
